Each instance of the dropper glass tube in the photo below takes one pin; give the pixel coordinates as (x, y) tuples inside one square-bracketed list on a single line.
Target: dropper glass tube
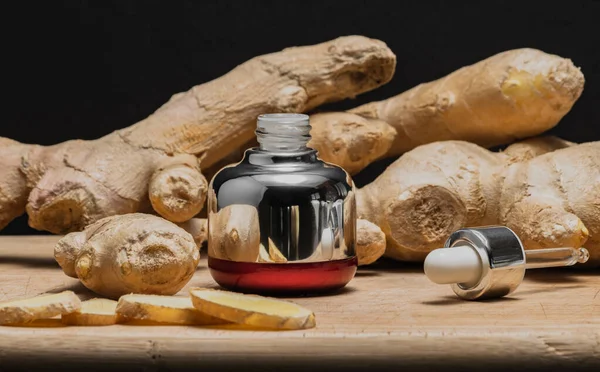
[(555, 257)]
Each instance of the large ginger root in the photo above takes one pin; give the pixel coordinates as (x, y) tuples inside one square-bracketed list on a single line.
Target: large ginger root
[(512, 95), (252, 310), (40, 307), (550, 200), (13, 188), (132, 253), (150, 164)]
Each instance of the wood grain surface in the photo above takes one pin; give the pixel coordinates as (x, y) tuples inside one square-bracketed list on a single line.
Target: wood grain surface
[(390, 317)]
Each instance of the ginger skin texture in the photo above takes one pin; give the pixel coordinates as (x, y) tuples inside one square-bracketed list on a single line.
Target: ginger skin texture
[(155, 164), (550, 200), (370, 242), (512, 95), (198, 228), (132, 253)]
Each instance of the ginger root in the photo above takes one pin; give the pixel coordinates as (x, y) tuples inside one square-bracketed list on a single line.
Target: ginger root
[(163, 309), (553, 200), (550, 200), (370, 242), (512, 95), (252, 310), (350, 141), (94, 312), (156, 162), (198, 228), (132, 253), (13, 186), (177, 189), (40, 307), (530, 148)]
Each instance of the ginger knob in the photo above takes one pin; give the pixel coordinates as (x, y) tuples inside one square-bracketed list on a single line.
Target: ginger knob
[(132, 253)]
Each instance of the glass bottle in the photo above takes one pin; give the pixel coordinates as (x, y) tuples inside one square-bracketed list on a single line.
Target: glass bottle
[(281, 221)]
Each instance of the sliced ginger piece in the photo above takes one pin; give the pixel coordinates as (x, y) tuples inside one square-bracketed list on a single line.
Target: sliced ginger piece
[(252, 310), (263, 255), (273, 254), (40, 307), (163, 309), (94, 312)]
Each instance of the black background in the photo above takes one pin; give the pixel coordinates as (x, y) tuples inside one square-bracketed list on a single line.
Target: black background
[(81, 69)]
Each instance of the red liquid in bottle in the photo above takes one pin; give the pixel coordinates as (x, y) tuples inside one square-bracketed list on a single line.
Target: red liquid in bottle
[(288, 278)]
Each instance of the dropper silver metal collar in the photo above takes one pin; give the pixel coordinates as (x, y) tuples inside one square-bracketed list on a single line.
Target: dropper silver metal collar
[(503, 261)]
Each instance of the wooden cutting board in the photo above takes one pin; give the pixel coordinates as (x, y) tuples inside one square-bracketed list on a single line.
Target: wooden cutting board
[(389, 317)]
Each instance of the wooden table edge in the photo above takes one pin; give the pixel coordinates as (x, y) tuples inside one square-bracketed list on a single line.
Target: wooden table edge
[(575, 350)]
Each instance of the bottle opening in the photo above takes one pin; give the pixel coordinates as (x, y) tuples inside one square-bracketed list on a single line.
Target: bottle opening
[(283, 132)]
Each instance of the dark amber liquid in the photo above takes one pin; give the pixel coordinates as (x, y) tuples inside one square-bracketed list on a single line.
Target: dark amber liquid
[(283, 279)]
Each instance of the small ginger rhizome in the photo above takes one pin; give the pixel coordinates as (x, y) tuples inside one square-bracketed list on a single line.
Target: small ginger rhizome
[(282, 221)]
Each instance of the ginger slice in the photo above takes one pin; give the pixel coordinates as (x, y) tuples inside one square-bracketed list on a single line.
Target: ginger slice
[(94, 312), (263, 255), (40, 307), (273, 254), (252, 310), (163, 309)]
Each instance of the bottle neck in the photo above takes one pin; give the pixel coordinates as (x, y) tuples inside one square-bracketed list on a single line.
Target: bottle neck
[(283, 133)]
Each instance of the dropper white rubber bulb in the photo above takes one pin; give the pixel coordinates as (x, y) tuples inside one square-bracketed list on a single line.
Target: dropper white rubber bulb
[(460, 264)]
